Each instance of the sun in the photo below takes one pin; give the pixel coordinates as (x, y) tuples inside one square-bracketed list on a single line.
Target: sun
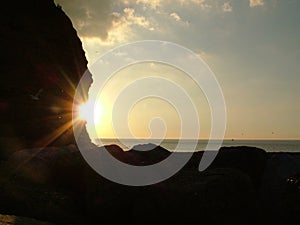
[(84, 111), (87, 110)]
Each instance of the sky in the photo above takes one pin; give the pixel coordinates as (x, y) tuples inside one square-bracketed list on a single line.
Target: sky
[(252, 47)]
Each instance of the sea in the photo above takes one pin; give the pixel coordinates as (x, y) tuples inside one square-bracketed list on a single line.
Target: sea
[(200, 145)]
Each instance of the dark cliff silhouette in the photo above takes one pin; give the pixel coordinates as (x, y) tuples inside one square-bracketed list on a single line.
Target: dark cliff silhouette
[(42, 61)]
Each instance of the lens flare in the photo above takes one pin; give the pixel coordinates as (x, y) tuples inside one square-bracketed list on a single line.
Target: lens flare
[(85, 112)]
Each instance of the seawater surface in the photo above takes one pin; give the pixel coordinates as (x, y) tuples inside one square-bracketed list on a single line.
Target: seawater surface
[(170, 144)]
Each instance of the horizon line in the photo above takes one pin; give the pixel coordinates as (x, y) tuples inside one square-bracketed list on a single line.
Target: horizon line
[(203, 139)]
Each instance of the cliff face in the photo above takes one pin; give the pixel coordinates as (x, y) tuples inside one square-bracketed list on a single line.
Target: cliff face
[(42, 61)]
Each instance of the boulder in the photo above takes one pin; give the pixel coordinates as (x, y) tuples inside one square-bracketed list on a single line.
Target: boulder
[(44, 183), (149, 154), (279, 168), (42, 63), (249, 160), (279, 192), (139, 155), (217, 196), (57, 185)]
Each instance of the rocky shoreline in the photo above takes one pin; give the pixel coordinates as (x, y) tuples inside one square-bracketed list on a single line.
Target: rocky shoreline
[(244, 185)]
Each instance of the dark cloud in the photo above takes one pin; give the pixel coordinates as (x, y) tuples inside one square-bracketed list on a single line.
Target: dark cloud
[(91, 18)]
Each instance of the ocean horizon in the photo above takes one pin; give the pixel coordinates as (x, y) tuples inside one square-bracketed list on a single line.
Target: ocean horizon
[(170, 144)]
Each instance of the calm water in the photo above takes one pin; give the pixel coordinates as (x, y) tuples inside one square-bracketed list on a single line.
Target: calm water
[(170, 144)]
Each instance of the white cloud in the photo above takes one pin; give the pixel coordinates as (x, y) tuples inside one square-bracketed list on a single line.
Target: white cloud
[(90, 18), (202, 4), (175, 16), (254, 3), (132, 18), (153, 4), (121, 30), (199, 2), (227, 7)]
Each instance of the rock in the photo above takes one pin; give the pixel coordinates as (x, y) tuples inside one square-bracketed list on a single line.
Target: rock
[(56, 167), (139, 155), (294, 181), (42, 63), (249, 160), (279, 167), (44, 183), (8, 145), (279, 195), (149, 154), (9, 220), (144, 147), (217, 196), (57, 185)]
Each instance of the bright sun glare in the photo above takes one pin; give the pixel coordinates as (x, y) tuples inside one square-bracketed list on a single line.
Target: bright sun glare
[(86, 112)]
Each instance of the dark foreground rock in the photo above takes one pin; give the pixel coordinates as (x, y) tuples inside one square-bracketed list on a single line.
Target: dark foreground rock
[(43, 183), (139, 155), (10, 220), (56, 185), (279, 191), (249, 160), (214, 197)]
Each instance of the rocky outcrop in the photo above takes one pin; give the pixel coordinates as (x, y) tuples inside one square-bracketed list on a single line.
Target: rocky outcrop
[(44, 183), (280, 193), (139, 155), (215, 196), (249, 160), (58, 186), (42, 61), (59, 182)]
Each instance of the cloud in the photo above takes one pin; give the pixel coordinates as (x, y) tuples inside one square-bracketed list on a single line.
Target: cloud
[(199, 2), (153, 4), (90, 18), (131, 18), (227, 7), (96, 20), (254, 3), (122, 29), (202, 4), (175, 16)]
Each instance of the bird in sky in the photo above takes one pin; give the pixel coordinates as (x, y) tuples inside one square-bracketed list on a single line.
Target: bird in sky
[(36, 97)]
